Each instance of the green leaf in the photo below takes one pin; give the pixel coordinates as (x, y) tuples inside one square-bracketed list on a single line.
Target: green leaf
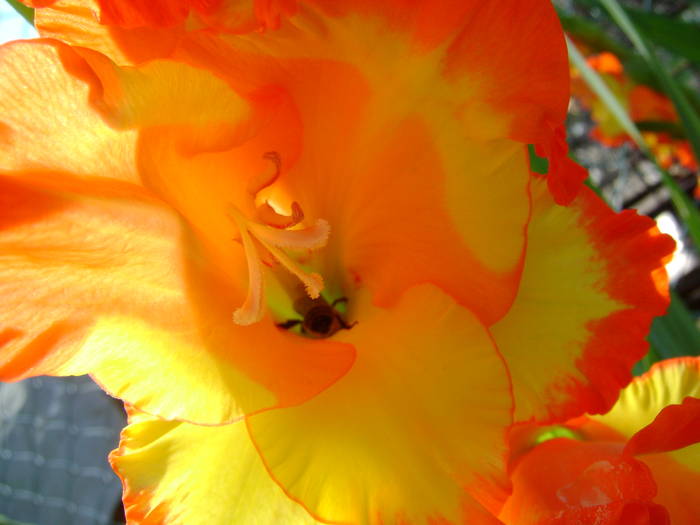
[(28, 14), (677, 36), (592, 35), (537, 164), (645, 363), (658, 126), (674, 334)]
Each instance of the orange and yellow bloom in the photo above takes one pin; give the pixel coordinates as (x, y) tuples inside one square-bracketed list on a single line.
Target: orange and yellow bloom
[(636, 464), (644, 105), (176, 179)]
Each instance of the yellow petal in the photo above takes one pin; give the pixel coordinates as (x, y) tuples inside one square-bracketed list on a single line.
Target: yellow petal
[(413, 433), (593, 280), (169, 93), (666, 383), (183, 474)]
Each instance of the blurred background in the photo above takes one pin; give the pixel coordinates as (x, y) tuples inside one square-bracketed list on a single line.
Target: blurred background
[(634, 123)]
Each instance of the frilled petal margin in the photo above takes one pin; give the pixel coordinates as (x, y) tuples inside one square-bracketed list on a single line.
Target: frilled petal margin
[(177, 473), (592, 283), (232, 15), (132, 32), (413, 433)]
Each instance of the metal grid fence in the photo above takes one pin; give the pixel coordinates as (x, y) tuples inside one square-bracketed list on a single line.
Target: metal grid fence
[(55, 434)]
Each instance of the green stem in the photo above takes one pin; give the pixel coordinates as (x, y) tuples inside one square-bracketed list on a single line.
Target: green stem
[(26, 12)]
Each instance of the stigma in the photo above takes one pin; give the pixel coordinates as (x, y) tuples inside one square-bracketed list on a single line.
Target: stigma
[(265, 239)]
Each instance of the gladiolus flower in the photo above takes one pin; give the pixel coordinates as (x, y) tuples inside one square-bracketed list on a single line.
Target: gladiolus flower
[(166, 224), (644, 105), (636, 464)]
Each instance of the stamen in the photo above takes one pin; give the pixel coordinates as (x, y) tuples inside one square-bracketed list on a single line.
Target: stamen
[(311, 238), (313, 282), (274, 240), (272, 235)]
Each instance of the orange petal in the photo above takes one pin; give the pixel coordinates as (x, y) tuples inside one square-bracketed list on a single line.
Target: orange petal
[(181, 474), (677, 476), (676, 426), (605, 63), (133, 31), (246, 16), (48, 126), (118, 289), (144, 13), (592, 283), (409, 215), (229, 15), (647, 104), (419, 175), (68, 260), (522, 80), (564, 177), (412, 434)]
